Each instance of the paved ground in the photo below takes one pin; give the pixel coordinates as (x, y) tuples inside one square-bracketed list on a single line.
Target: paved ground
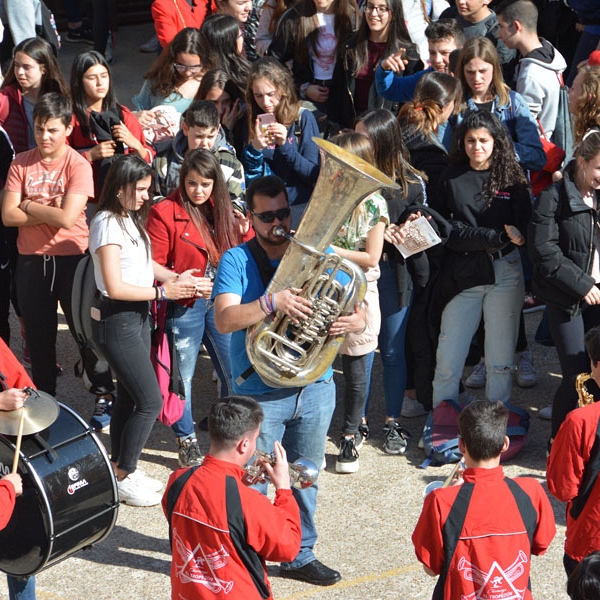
[(365, 520)]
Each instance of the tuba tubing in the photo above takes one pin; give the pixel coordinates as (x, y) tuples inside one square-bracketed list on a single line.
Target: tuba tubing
[(285, 354)]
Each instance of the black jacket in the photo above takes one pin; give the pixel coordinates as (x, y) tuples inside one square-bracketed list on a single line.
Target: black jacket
[(477, 227), (561, 244)]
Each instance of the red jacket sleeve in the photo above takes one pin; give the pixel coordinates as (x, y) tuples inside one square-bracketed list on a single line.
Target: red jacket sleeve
[(427, 536), (134, 126), (13, 372), (7, 502)]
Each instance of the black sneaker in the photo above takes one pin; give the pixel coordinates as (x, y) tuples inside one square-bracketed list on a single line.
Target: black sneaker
[(189, 453), (100, 420), (347, 460), (396, 438), (81, 34), (363, 429)]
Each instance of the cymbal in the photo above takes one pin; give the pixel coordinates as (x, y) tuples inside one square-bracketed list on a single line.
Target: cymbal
[(41, 410)]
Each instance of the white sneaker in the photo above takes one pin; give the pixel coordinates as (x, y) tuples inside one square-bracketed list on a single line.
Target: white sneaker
[(412, 408), (546, 413), (526, 371), (478, 375), (132, 491), (153, 485)]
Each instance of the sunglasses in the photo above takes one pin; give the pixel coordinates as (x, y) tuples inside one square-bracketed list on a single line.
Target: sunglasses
[(191, 68), (270, 215)]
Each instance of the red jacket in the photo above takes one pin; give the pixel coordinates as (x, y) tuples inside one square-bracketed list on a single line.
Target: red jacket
[(492, 555), (12, 117), (81, 141), (171, 16), (176, 242), (568, 457), (205, 561), (14, 376)]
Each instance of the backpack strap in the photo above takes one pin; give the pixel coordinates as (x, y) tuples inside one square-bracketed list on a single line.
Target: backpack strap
[(173, 495), (451, 533), (238, 533), (588, 480)]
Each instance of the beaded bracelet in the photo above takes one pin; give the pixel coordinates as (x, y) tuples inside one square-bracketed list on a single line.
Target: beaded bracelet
[(163, 294), (261, 301)]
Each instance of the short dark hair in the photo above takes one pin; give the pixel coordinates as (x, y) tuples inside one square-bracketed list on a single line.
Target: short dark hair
[(584, 581), (232, 418), (202, 113), (445, 29), (53, 106), (269, 185), (482, 426), (592, 344), (523, 11)]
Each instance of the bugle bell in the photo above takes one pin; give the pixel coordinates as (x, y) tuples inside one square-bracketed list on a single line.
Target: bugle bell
[(583, 396), (303, 472)]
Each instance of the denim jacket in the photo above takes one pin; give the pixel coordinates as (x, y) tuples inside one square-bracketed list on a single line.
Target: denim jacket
[(521, 127)]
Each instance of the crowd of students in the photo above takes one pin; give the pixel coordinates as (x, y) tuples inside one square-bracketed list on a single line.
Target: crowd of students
[(456, 104)]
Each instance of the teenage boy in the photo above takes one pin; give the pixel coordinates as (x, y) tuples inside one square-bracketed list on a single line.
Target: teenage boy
[(222, 530), (45, 195), (476, 19), (201, 128), (479, 536), (573, 467), (443, 37), (538, 76)]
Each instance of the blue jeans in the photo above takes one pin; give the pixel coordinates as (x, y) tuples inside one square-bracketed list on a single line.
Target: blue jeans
[(501, 305), (394, 320), (190, 326), (299, 418), (21, 588)]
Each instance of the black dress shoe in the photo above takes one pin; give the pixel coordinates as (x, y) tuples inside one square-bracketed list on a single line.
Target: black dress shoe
[(314, 572)]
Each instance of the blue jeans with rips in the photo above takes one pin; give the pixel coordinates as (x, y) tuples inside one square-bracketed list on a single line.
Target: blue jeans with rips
[(501, 304), (190, 327), (299, 418)]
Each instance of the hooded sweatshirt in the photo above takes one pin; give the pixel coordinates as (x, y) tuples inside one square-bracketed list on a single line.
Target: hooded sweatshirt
[(168, 166), (538, 81)]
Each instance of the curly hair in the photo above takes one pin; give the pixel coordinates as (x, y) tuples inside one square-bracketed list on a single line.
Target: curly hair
[(586, 112), (274, 72), (162, 73), (433, 93), (505, 171)]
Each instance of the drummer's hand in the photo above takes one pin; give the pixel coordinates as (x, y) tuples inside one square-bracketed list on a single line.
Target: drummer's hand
[(12, 399), (16, 480)]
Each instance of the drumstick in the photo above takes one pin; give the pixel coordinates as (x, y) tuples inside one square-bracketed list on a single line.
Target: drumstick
[(19, 438)]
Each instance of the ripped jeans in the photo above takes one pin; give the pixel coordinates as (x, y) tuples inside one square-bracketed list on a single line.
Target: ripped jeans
[(190, 327), (501, 305)]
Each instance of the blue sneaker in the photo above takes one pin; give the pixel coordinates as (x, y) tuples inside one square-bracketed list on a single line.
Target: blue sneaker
[(100, 420)]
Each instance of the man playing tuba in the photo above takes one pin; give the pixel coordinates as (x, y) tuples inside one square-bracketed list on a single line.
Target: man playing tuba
[(298, 415)]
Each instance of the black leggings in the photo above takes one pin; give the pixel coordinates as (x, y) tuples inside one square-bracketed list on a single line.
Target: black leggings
[(123, 336)]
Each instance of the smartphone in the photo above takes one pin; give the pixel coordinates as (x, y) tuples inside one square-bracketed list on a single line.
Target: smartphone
[(265, 120)]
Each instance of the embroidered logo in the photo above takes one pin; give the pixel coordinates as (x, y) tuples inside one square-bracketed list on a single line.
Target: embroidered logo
[(198, 567), (497, 583)]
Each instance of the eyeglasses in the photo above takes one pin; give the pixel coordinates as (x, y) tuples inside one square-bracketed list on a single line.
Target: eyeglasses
[(270, 215), (380, 10), (191, 68)]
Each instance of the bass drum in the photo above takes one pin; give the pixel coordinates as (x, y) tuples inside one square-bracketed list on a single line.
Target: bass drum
[(70, 499)]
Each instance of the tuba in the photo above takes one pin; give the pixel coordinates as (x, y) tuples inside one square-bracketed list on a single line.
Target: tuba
[(288, 354), (583, 396)]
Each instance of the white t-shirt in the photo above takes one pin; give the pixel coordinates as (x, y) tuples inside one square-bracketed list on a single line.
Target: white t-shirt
[(136, 263), (324, 59)]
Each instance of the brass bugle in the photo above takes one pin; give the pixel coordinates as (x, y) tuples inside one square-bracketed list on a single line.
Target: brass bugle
[(303, 472), (583, 396), (434, 485)]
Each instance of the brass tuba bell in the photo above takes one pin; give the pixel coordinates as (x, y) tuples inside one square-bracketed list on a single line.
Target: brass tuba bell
[(583, 396), (288, 354)]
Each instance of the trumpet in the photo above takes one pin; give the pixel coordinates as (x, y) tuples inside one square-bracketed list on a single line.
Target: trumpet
[(303, 472), (434, 485), (583, 396)]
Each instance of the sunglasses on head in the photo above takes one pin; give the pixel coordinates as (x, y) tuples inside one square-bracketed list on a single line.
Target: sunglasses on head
[(270, 215)]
